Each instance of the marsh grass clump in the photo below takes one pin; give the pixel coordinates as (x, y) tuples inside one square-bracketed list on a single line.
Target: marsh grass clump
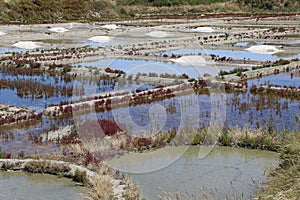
[(225, 139), (290, 155), (284, 182), (272, 64), (132, 191), (66, 69), (101, 187), (256, 139), (238, 71), (80, 177), (280, 62), (199, 136), (46, 167), (235, 137), (102, 184)]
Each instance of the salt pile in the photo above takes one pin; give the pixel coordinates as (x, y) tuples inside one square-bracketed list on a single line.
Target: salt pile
[(26, 45), (1, 33), (202, 30), (100, 39), (191, 61), (110, 26), (58, 29), (158, 34), (264, 49)]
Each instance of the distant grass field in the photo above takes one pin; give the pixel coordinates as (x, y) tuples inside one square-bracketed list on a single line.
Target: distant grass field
[(167, 2), (31, 11)]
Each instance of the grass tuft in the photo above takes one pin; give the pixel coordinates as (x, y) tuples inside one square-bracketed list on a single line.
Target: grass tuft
[(284, 183), (101, 186)]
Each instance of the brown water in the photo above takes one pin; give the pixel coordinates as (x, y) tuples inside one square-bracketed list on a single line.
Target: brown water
[(231, 173), (23, 186)]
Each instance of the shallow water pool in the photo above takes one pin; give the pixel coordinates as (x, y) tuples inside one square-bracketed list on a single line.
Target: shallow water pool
[(283, 79), (22, 186), (147, 66), (232, 172)]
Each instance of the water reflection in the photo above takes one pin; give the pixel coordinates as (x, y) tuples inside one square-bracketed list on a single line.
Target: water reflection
[(283, 79), (225, 171), (146, 66), (15, 185)]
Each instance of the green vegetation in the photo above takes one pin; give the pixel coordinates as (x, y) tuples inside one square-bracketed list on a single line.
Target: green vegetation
[(274, 64), (67, 69), (46, 167), (225, 139), (280, 62), (167, 2), (199, 136), (80, 177), (237, 71), (270, 4), (261, 66), (33, 11), (246, 138), (54, 10), (284, 182)]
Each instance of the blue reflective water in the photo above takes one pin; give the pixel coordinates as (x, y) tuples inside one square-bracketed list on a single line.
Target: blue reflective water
[(90, 43), (14, 95), (17, 185), (241, 44), (4, 50), (241, 110), (284, 79), (87, 87), (147, 66)]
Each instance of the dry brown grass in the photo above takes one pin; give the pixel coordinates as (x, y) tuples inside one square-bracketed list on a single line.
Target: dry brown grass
[(236, 133), (132, 191), (77, 148), (101, 185), (291, 189), (284, 183)]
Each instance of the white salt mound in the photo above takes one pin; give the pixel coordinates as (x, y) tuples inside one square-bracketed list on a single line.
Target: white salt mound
[(1, 33), (264, 49), (26, 45), (110, 26), (158, 34), (58, 29), (191, 61), (100, 39), (203, 30)]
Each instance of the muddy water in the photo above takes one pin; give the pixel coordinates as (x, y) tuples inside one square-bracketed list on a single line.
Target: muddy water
[(232, 172), (22, 186)]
